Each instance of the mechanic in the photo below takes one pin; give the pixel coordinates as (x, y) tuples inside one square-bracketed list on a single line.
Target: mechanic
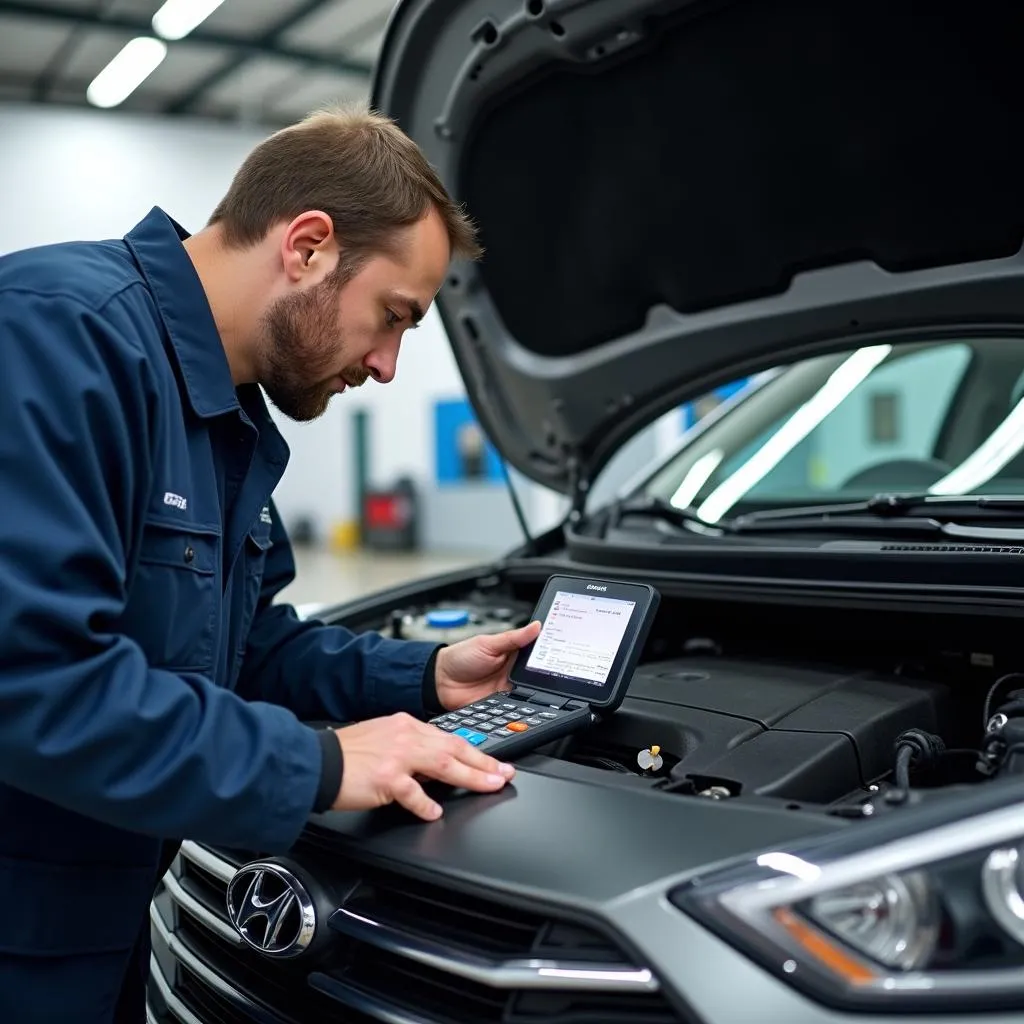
[(150, 688)]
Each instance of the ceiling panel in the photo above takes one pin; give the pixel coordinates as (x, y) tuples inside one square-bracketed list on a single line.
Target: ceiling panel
[(94, 52), (319, 90), (250, 17), (368, 50), (327, 28), (184, 65), (71, 57), (26, 46), (253, 83)]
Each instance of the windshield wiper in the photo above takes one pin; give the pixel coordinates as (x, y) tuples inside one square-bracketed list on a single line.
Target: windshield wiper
[(941, 507), (904, 513), (651, 507)]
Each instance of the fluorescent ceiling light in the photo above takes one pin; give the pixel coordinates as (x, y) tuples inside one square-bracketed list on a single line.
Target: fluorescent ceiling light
[(126, 72), (179, 17)]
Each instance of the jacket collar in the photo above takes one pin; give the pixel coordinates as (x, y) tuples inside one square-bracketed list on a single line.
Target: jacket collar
[(156, 245), (185, 310)]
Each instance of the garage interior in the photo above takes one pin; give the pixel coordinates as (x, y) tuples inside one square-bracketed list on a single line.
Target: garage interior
[(698, 502), (85, 160)]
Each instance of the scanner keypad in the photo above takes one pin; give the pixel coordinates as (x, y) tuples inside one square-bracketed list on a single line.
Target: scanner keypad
[(494, 717)]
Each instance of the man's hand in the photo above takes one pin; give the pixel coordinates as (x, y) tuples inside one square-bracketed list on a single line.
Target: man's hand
[(473, 668), (384, 756)]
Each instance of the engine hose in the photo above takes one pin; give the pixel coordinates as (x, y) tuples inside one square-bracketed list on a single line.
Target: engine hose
[(903, 756), (916, 749)]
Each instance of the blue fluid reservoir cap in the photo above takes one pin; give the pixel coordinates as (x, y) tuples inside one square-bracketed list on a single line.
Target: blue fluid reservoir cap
[(447, 618)]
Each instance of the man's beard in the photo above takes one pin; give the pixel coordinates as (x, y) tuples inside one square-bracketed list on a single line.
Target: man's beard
[(300, 346)]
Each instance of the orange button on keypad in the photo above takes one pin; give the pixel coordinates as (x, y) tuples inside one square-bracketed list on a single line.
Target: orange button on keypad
[(517, 726)]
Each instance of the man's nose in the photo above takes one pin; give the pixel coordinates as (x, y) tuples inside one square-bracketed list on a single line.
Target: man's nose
[(382, 364)]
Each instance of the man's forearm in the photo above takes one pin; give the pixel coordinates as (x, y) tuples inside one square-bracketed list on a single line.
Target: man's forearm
[(330, 673)]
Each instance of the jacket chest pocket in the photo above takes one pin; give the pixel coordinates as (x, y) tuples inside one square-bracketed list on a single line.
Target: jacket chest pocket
[(173, 604)]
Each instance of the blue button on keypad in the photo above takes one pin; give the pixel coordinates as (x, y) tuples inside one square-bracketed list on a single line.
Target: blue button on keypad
[(476, 738)]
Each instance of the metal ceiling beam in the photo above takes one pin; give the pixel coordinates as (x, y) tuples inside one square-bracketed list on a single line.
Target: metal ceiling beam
[(270, 40), (243, 49)]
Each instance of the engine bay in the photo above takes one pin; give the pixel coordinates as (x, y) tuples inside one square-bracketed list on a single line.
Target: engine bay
[(839, 711)]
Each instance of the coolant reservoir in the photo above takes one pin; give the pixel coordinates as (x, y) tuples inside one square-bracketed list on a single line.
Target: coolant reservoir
[(449, 625)]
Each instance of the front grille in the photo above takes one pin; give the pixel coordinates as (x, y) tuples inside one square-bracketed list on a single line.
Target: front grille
[(400, 951), (473, 924)]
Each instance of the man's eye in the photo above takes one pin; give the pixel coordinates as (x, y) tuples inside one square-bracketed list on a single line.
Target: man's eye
[(391, 317)]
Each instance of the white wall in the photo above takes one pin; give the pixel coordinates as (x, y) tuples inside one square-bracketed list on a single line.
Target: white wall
[(79, 174), (83, 174)]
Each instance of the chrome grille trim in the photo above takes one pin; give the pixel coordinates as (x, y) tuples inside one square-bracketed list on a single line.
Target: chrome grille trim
[(507, 974), (375, 929), (369, 1005), (221, 869), (210, 978), (206, 917), (178, 1010)]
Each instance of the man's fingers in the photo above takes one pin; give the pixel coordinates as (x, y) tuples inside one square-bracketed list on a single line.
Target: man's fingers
[(451, 770), (455, 761), (513, 639), (409, 793), (464, 751), (385, 759)]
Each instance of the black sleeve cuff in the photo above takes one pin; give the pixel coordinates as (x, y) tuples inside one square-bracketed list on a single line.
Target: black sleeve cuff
[(430, 701), (330, 771)]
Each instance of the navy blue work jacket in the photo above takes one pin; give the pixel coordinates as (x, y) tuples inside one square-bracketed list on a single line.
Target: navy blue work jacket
[(149, 687)]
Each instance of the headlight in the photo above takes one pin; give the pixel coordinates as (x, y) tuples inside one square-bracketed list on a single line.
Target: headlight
[(930, 921)]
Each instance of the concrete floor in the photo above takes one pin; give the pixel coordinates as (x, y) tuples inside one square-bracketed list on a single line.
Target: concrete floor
[(324, 577)]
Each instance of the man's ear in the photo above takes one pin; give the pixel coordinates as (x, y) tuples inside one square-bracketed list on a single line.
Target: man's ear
[(309, 251)]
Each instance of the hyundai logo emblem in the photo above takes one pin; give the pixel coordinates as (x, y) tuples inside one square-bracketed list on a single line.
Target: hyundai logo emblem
[(271, 909)]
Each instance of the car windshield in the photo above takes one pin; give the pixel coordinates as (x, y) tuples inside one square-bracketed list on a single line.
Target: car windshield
[(941, 417)]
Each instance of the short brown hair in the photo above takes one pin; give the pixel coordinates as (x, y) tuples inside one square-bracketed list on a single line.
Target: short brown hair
[(355, 165)]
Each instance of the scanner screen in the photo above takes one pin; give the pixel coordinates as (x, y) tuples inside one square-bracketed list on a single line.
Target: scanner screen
[(580, 637)]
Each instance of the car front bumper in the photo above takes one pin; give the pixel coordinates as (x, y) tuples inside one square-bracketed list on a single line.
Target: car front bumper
[(200, 974)]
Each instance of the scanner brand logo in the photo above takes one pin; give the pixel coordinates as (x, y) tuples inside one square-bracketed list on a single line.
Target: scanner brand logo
[(593, 586), (271, 909)]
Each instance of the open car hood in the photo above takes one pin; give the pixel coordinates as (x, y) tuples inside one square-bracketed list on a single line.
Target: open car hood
[(676, 194)]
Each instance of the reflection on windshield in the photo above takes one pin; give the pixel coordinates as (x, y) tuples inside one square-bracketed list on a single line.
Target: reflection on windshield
[(941, 417), (1005, 442), (696, 477), (843, 380)]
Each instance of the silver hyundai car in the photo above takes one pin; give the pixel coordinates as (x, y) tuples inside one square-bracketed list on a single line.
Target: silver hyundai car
[(809, 807)]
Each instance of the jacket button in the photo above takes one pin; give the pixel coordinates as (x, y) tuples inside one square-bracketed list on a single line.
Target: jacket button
[(189, 554)]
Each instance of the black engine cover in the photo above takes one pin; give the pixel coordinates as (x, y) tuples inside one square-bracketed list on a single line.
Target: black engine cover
[(771, 729)]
